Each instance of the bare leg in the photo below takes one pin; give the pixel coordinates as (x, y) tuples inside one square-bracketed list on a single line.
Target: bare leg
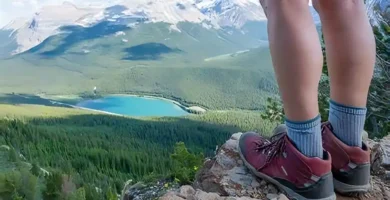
[(297, 59), (350, 49), (296, 55)]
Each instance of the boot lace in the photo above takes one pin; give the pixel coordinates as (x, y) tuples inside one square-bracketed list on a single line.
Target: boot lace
[(272, 148)]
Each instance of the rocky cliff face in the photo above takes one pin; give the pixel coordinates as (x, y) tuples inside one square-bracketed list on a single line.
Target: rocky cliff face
[(226, 178)]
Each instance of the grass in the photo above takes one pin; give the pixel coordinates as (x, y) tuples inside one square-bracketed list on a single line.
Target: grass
[(15, 111), (243, 120)]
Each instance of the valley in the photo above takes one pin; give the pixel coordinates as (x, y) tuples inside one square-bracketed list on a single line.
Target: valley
[(65, 63), (93, 96), (104, 151), (176, 68)]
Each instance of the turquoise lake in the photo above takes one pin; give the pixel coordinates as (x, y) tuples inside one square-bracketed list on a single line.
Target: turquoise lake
[(134, 106)]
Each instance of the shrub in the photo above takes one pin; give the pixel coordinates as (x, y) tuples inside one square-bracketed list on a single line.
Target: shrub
[(185, 164)]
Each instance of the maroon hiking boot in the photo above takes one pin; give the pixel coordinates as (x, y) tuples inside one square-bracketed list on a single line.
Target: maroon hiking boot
[(350, 165), (279, 162)]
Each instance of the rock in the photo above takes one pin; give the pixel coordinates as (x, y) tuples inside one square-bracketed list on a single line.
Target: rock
[(141, 191), (255, 183), (272, 189), (201, 195), (226, 175), (263, 183), (236, 136), (232, 179), (272, 196), (282, 197), (170, 196), (225, 178), (240, 162), (387, 194), (187, 191), (244, 198), (385, 145), (387, 175), (224, 160), (380, 156)]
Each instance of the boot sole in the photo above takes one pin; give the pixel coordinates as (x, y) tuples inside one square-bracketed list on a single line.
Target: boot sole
[(346, 188), (290, 193)]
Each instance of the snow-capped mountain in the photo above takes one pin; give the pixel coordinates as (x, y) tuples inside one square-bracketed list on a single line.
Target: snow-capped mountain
[(232, 13), (210, 13), (29, 33)]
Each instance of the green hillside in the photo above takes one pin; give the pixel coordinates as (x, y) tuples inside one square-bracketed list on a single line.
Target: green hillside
[(103, 151), (153, 60), (92, 154)]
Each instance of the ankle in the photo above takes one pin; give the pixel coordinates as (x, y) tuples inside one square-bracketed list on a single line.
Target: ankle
[(306, 136), (347, 123)]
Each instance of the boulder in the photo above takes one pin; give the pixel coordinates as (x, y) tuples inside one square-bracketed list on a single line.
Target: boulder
[(380, 156), (226, 175)]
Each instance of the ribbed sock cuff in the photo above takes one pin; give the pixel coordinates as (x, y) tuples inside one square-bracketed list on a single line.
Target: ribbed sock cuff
[(306, 135), (347, 109), (347, 123), (304, 124)]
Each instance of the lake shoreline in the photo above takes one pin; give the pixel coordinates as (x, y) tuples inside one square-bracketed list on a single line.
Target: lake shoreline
[(59, 99), (88, 109), (189, 109)]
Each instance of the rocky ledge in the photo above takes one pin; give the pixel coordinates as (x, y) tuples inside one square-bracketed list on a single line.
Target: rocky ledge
[(226, 178)]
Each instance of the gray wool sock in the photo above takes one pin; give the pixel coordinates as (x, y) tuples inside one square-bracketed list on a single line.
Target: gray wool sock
[(347, 123), (306, 135)]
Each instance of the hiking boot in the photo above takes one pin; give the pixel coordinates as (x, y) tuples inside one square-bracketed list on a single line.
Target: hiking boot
[(350, 165), (278, 161)]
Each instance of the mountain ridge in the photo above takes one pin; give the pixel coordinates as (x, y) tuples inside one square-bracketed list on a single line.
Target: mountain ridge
[(46, 22)]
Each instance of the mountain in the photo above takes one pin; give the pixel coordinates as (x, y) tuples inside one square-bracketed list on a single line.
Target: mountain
[(210, 14), (245, 16), (231, 13), (147, 58), (171, 48)]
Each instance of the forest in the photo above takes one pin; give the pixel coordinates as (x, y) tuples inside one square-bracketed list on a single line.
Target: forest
[(89, 151)]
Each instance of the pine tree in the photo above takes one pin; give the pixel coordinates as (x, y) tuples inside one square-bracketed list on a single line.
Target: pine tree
[(186, 164), (53, 186), (13, 156), (378, 123), (35, 169)]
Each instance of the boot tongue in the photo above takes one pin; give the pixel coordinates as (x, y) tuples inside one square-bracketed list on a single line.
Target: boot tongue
[(278, 136)]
